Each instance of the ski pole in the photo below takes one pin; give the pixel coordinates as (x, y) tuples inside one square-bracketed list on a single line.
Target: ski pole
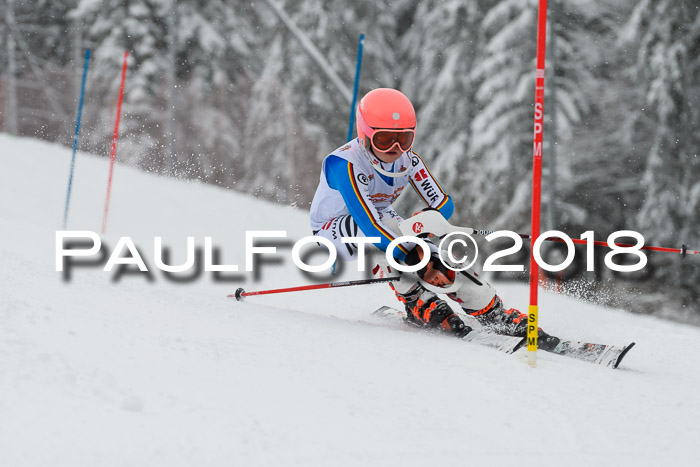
[(683, 250), (240, 293)]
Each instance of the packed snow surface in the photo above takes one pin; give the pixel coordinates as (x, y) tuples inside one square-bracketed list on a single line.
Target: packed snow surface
[(135, 369)]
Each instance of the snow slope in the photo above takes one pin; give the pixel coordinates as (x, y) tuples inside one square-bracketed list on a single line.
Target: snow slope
[(98, 372)]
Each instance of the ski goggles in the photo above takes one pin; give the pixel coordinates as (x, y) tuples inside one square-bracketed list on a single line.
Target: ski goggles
[(384, 140)]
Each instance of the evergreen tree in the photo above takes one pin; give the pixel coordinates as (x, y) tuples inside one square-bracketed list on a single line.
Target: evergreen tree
[(595, 154), (309, 114), (501, 142), (500, 151), (438, 52), (173, 46), (37, 46), (669, 65)]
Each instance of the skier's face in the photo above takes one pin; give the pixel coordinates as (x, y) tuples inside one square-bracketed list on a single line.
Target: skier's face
[(388, 157)]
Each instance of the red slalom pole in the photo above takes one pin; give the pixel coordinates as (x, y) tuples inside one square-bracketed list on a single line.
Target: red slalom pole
[(115, 137), (240, 293), (536, 180)]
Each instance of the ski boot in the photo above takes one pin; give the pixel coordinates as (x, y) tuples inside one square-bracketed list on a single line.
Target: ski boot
[(510, 322), (425, 309)]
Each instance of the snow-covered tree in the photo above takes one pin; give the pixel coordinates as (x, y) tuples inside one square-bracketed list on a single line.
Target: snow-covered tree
[(297, 112), (668, 36), (501, 132), (437, 55), (36, 49), (595, 151), (173, 46), (499, 157)]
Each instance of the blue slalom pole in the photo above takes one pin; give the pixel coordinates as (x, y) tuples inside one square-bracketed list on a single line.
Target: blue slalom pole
[(357, 85), (75, 138)]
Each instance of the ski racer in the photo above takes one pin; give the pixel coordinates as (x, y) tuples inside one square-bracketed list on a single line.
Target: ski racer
[(359, 182)]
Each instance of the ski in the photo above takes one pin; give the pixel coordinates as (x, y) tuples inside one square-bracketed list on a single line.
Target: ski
[(507, 344), (599, 354)]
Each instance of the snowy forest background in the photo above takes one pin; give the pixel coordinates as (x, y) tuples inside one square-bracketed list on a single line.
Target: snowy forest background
[(221, 91)]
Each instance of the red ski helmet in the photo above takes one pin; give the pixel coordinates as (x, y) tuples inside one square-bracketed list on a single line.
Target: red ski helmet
[(386, 109)]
